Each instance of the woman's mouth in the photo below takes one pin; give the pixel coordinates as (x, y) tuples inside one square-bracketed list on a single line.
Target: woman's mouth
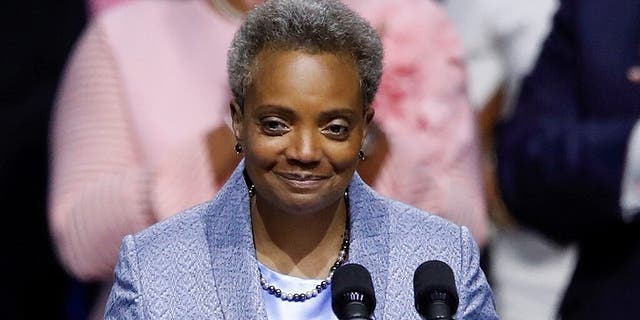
[(302, 181)]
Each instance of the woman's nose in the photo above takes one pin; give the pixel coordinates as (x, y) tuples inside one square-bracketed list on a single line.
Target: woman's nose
[(304, 147)]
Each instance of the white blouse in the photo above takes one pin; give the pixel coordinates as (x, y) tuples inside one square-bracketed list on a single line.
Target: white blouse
[(316, 308)]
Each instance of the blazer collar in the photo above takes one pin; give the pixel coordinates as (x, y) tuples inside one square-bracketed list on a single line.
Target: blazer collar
[(370, 237), (233, 260)]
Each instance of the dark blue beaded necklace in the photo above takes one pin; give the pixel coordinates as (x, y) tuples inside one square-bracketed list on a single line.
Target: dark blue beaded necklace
[(300, 297)]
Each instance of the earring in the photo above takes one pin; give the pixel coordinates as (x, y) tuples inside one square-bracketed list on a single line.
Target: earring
[(361, 155), (238, 148)]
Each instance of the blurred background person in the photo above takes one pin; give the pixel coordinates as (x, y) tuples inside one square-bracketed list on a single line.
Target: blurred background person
[(426, 123), (141, 126), (140, 111), (37, 37), (567, 157), (502, 40)]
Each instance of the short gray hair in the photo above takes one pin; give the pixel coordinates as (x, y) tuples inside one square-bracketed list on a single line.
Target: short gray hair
[(309, 25)]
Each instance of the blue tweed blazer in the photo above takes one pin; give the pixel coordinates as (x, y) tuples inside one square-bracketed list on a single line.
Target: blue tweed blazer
[(201, 263)]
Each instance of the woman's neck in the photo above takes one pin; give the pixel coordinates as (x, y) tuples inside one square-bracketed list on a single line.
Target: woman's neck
[(302, 245)]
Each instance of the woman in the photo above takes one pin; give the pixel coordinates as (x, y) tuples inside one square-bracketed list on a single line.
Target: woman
[(303, 75), (141, 128)]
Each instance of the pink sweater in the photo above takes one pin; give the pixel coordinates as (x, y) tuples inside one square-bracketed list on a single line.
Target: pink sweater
[(147, 82)]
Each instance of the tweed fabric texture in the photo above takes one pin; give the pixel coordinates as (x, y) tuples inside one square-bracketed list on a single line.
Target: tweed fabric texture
[(201, 264)]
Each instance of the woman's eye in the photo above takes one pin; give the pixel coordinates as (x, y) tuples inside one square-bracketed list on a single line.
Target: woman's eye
[(337, 130), (274, 127)]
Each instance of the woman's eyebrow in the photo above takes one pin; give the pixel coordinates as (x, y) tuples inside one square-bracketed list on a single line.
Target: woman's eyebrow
[(264, 108), (338, 112)]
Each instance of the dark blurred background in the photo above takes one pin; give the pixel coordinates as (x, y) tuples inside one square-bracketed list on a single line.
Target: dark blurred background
[(36, 39)]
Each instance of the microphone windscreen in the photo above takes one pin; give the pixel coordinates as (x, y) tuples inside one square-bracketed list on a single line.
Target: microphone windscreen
[(434, 280), (351, 282)]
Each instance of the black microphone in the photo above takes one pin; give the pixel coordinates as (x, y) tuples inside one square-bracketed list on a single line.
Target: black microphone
[(434, 288), (352, 294)]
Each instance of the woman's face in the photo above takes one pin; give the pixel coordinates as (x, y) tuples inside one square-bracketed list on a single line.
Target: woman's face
[(301, 128)]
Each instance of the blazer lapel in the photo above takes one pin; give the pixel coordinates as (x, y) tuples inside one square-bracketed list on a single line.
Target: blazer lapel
[(233, 261), (369, 237)]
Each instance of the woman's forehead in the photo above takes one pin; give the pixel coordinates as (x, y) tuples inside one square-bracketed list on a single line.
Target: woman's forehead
[(294, 77)]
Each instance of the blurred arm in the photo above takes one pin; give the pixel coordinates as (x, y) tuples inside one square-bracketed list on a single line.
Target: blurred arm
[(560, 172), (99, 189)]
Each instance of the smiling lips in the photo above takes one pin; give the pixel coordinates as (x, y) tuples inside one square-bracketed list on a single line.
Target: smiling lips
[(302, 181)]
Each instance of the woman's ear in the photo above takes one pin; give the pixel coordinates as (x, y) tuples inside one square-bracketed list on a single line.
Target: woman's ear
[(237, 117), (368, 117)]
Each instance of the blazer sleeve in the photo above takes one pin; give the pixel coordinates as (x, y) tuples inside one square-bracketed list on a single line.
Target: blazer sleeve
[(476, 297), (559, 171), (126, 300)]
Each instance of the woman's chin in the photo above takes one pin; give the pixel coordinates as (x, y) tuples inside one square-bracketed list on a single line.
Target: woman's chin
[(302, 203)]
